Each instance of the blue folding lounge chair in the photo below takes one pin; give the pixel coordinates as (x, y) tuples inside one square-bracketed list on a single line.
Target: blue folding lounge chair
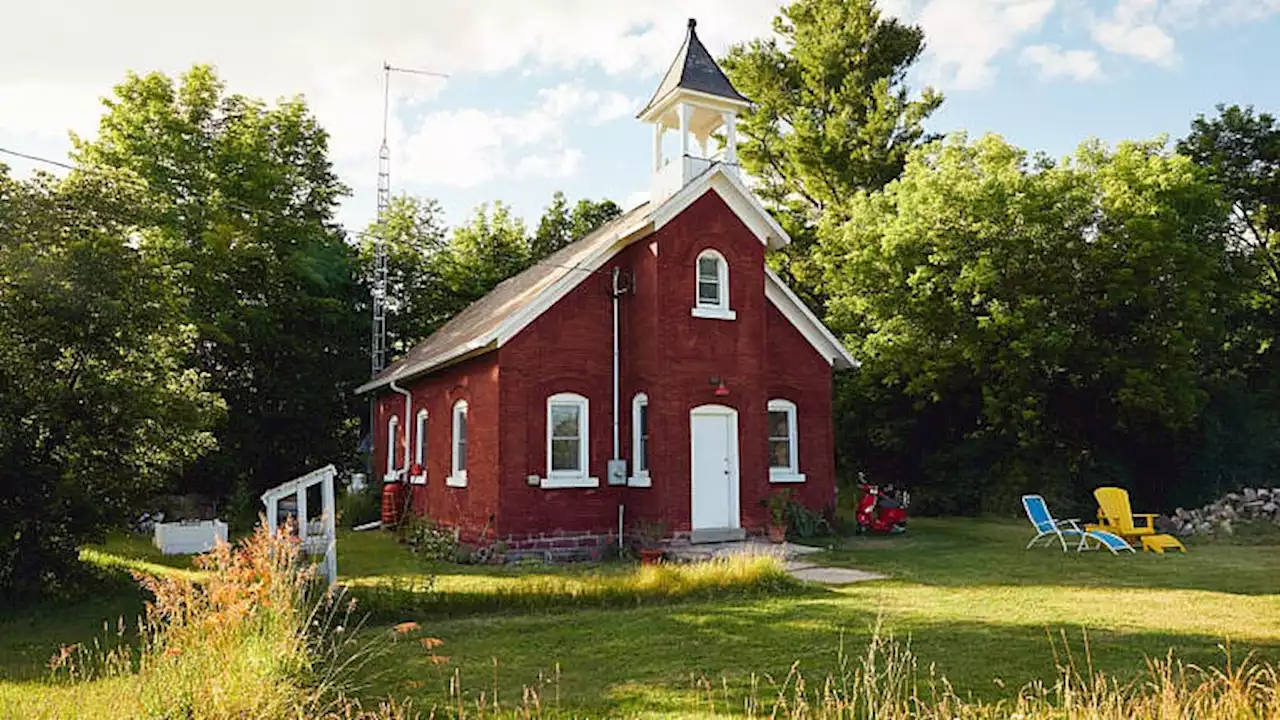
[(1047, 529)]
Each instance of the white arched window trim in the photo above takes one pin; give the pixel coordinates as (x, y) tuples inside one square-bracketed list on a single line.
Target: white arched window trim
[(420, 448), (640, 441), (579, 477), (460, 439), (393, 439), (705, 306), (790, 473)]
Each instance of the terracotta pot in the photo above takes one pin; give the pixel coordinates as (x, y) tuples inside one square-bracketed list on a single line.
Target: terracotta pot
[(650, 556), (777, 533)]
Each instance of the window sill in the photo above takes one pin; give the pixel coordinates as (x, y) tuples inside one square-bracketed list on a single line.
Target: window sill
[(418, 479), (787, 477), (641, 480), (573, 481), (713, 313), (457, 480), (393, 476)]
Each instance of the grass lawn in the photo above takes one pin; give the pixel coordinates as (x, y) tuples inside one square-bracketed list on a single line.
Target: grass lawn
[(973, 604)]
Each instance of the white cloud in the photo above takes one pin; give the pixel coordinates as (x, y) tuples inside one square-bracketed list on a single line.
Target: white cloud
[(1132, 30), (1054, 62), (464, 148), (965, 36)]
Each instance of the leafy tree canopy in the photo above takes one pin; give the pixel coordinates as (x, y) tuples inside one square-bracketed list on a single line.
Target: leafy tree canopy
[(1024, 323), (244, 196), (98, 404), (832, 115)]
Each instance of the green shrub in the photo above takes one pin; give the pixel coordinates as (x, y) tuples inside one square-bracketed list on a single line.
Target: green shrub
[(360, 507), (428, 539)]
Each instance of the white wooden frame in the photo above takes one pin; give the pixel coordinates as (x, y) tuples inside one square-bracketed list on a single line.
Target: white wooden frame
[(582, 476), (791, 473), (420, 447), (639, 477), (458, 476), (326, 543), (719, 310)]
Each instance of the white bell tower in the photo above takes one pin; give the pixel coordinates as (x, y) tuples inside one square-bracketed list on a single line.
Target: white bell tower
[(696, 100)]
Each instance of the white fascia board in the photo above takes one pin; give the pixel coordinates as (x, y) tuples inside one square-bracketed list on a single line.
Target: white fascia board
[(431, 364), (571, 279), (740, 200), (289, 488), (803, 319)]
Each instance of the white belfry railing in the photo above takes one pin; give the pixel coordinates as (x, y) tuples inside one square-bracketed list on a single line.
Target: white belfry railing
[(324, 539)]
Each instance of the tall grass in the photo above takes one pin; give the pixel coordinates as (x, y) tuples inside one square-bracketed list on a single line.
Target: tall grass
[(247, 636), (394, 598)]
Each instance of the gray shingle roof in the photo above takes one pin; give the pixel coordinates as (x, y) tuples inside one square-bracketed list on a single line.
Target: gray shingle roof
[(474, 327), (694, 69)]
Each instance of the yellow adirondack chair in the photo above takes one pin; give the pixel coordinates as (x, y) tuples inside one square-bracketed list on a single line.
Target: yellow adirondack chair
[(1115, 515)]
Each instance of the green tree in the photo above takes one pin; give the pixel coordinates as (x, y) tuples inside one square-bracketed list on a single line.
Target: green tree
[(244, 198), (560, 226), (1025, 324), (491, 247), (1241, 152), (416, 240), (98, 404), (832, 115)]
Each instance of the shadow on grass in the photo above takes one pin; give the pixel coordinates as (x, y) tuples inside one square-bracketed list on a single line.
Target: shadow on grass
[(668, 660)]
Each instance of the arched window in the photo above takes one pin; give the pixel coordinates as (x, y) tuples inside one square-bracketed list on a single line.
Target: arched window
[(568, 442), (420, 444), (393, 440), (639, 441), (784, 452), (711, 287), (458, 477)]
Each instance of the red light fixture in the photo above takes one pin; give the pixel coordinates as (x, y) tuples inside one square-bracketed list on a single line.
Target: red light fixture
[(720, 390)]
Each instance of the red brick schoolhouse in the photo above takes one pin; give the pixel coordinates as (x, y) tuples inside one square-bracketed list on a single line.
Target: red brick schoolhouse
[(656, 365)]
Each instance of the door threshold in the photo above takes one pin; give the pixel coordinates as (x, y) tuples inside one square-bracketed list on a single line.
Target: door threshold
[(716, 535)]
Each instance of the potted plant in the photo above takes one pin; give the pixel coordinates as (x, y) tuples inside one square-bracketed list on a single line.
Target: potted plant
[(649, 536), (777, 504)]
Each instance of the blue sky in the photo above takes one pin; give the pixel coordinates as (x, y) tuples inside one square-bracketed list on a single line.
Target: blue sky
[(542, 94)]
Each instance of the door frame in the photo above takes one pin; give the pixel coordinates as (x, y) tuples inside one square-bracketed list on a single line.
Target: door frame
[(735, 482)]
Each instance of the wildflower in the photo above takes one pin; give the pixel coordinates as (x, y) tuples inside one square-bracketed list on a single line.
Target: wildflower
[(405, 628), (173, 651), (438, 660), (430, 642)]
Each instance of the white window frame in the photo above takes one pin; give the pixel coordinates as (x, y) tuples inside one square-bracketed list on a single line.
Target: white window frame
[(639, 477), (580, 478), (790, 474), (713, 311), (420, 448), (458, 476), (393, 429)]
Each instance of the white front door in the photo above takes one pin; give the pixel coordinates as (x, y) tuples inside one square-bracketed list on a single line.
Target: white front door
[(713, 433)]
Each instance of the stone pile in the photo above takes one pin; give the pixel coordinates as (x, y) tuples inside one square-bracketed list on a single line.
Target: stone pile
[(1250, 504)]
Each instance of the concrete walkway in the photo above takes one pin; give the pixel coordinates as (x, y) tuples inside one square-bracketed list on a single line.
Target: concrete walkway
[(789, 553)]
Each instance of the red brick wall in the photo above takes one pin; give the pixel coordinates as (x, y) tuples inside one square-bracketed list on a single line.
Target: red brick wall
[(476, 381), (799, 374), (666, 353)]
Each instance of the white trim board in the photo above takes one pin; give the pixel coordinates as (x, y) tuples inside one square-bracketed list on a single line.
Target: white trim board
[(803, 319)]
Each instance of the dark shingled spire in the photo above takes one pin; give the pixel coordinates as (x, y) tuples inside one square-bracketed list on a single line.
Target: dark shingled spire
[(694, 69)]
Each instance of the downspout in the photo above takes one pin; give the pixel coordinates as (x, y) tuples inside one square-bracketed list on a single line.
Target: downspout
[(616, 292), (408, 413)]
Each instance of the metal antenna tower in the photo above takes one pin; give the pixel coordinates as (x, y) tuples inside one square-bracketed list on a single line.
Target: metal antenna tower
[(378, 342)]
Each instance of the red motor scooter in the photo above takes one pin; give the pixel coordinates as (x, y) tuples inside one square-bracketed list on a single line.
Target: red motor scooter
[(882, 510)]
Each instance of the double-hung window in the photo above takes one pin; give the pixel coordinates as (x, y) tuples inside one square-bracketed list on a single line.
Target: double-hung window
[(393, 443), (711, 282), (639, 441), (568, 442), (420, 448), (784, 455), (458, 478)]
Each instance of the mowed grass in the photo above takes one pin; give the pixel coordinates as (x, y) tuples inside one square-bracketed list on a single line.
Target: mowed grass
[(973, 605), (612, 640)]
